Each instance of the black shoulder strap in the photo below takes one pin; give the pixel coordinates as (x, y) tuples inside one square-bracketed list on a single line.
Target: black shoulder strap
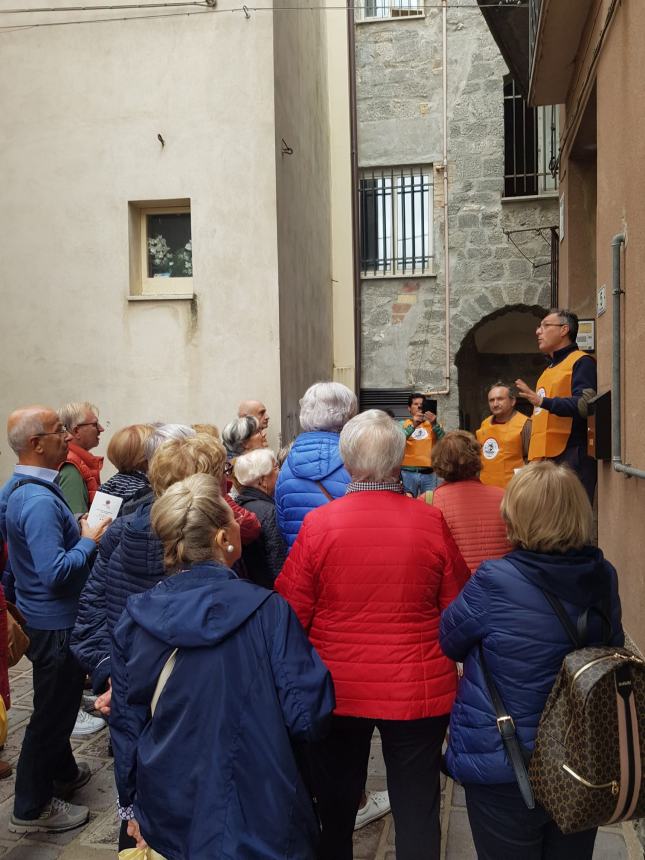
[(46, 484), (516, 753), (579, 634)]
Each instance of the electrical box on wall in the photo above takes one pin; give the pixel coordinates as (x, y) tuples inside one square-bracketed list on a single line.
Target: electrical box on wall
[(599, 427)]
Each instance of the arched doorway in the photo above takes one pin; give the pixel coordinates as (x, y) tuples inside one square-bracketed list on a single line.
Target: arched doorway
[(501, 346)]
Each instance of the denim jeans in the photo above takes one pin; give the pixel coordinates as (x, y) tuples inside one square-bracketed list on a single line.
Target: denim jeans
[(412, 754), (46, 753), (416, 483)]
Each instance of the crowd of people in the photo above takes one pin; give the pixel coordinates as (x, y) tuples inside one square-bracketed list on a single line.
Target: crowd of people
[(251, 617)]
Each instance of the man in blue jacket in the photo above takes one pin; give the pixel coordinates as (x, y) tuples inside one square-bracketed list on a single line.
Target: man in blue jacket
[(50, 560)]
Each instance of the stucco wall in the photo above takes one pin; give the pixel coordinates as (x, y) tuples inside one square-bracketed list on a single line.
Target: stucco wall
[(82, 107), (303, 205), (621, 176), (399, 95)]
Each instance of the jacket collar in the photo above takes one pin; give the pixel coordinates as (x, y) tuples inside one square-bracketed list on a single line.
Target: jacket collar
[(92, 462), (560, 354)]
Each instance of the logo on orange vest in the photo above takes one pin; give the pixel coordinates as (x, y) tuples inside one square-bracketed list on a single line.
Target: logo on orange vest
[(419, 433), (542, 393), (490, 449)]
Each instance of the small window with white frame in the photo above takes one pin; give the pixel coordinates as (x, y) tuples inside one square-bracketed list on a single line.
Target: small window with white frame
[(161, 248), (396, 221), (377, 10)]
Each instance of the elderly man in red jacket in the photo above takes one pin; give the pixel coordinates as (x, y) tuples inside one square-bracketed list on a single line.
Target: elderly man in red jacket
[(368, 577), (80, 475)]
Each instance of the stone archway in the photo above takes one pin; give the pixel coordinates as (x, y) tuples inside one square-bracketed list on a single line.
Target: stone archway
[(500, 346)]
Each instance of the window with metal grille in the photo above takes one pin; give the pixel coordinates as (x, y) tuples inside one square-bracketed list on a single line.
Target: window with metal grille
[(396, 221), (530, 145), (375, 9)]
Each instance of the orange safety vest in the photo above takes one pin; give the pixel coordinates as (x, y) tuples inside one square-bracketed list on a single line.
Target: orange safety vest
[(501, 449), (419, 445), (88, 465), (550, 433)]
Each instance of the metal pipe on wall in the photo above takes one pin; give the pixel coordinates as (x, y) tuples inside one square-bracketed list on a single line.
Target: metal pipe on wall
[(616, 398), (444, 168)]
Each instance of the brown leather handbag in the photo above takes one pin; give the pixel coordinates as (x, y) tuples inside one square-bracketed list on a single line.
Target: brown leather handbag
[(587, 766), (17, 639)]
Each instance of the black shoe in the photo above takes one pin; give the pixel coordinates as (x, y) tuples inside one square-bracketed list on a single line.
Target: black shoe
[(65, 790)]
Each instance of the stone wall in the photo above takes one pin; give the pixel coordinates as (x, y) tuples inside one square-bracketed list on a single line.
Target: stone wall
[(399, 104)]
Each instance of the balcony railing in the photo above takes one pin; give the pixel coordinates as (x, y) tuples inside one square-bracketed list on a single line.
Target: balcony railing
[(534, 18)]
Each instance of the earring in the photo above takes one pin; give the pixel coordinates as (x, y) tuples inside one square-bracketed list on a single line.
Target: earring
[(230, 548)]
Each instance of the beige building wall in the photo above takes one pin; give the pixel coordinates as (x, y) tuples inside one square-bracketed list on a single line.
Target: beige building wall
[(303, 204), (604, 197), (82, 108), (341, 195)]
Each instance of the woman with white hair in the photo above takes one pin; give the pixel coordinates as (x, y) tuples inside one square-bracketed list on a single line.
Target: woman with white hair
[(368, 577), (257, 473), (313, 473), (243, 434)]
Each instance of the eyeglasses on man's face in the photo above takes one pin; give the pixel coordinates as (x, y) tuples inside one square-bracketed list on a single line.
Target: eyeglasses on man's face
[(62, 432), (554, 325), (88, 424)]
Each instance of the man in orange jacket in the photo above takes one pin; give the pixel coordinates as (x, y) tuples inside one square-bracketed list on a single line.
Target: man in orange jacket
[(559, 430), (80, 475), (504, 437)]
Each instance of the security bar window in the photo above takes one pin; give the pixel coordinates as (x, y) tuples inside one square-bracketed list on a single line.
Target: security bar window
[(530, 145), (396, 221), (375, 9)]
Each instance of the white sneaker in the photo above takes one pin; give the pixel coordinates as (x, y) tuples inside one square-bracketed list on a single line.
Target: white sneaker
[(86, 724), (378, 805), (56, 817)]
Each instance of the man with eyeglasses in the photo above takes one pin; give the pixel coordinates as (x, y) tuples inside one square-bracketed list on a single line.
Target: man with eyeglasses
[(559, 426), (80, 476), (50, 554)]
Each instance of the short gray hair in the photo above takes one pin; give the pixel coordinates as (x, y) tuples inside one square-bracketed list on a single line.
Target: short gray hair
[(327, 406), (164, 433), (251, 467), (237, 432), (372, 446), (30, 424), (72, 414)]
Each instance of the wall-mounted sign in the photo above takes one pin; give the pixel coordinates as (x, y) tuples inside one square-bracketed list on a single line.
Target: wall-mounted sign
[(601, 302), (587, 335)]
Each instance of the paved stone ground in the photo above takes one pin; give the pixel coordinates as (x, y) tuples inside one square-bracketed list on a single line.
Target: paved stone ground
[(97, 840)]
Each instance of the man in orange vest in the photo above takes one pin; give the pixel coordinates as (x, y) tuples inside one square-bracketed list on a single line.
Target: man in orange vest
[(422, 431), (559, 430), (80, 476), (504, 437)]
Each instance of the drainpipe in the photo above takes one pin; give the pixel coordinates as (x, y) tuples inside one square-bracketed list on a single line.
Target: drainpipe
[(444, 168), (616, 405), (351, 56)]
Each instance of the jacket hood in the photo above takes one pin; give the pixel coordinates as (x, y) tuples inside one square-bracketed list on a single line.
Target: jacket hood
[(198, 607), (315, 455), (581, 577)]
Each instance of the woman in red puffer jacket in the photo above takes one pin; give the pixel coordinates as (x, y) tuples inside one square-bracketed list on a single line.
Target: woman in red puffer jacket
[(471, 509), (368, 577)]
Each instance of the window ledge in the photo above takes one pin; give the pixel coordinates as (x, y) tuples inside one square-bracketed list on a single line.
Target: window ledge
[(386, 19), (162, 297), (530, 198), (399, 277)]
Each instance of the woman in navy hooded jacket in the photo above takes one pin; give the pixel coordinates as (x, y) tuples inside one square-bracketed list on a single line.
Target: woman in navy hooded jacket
[(213, 773), (503, 608), (313, 473)]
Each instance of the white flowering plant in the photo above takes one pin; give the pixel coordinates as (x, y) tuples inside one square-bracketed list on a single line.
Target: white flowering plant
[(168, 263)]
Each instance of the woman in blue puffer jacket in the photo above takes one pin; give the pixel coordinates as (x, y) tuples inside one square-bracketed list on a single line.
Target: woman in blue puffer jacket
[(313, 473), (503, 608)]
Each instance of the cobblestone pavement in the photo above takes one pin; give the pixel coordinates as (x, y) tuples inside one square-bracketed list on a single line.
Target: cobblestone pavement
[(97, 840)]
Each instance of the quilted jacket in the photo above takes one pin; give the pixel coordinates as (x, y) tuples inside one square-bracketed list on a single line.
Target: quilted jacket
[(314, 458), (368, 577), (471, 510), (524, 643), (129, 561), (263, 559), (213, 773)]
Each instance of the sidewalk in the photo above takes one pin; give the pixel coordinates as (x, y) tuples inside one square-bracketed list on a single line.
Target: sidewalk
[(97, 840)]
